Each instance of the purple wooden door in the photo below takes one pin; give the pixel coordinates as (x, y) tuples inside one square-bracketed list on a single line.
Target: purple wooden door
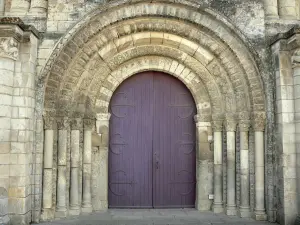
[(152, 155)]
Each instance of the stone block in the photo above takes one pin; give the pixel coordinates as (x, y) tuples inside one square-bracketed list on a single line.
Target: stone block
[(19, 205), (4, 170)]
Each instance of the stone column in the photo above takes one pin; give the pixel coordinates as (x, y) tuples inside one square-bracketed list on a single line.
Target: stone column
[(87, 166), (61, 204), (218, 161), (271, 9), (102, 128), (287, 9), (244, 125), (205, 163), (76, 124), (231, 198), (259, 127), (48, 165), (19, 7), (39, 6)]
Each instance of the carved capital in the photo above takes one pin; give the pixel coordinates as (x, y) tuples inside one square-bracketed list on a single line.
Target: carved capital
[(259, 121), (217, 125), (244, 125), (230, 122), (202, 118), (9, 48), (230, 125), (76, 124), (103, 116), (49, 123), (89, 124), (62, 123)]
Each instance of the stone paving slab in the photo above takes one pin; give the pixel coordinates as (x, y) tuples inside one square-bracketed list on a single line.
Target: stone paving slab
[(155, 217)]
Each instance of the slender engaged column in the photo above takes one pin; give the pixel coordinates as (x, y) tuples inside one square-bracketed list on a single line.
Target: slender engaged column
[(259, 127), (102, 128), (271, 9), (287, 9), (231, 199), (245, 174), (61, 204), (87, 166), (74, 184), (218, 161), (48, 164)]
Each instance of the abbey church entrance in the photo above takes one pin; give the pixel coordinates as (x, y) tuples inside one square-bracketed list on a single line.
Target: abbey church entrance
[(152, 152)]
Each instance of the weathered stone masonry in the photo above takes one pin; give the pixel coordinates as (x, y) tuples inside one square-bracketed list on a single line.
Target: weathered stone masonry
[(58, 75)]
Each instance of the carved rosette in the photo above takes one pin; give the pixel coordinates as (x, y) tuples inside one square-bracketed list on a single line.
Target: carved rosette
[(259, 121), (103, 116), (49, 123), (9, 48), (76, 124), (200, 118), (62, 123), (89, 124)]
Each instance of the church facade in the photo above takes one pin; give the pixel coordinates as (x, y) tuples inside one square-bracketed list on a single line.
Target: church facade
[(149, 104)]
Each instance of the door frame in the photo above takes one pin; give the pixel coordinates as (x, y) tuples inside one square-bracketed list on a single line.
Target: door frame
[(204, 155)]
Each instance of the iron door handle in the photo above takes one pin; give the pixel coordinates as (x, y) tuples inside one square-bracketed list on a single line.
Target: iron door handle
[(157, 164)]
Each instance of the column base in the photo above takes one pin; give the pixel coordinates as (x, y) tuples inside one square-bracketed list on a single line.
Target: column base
[(86, 209), (260, 215), (231, 211), (245, 212), (61, 213), (218, 208), (74, 211), (46, 214)]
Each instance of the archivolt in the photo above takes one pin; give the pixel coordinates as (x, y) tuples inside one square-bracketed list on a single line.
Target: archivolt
[(201, 51)]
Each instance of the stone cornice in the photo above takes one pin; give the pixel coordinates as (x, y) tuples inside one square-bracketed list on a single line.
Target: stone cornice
[(15, 27)]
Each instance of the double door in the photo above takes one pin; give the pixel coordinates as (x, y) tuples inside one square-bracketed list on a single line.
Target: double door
[(152, 152)]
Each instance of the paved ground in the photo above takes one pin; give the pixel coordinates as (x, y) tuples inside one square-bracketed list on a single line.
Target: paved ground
[(155, 217)]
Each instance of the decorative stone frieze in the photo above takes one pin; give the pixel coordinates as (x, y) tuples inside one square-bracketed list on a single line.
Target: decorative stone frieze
[(259, 121)]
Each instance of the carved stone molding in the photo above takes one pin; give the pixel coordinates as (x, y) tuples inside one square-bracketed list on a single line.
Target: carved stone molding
[(259, 121), (76, 124), (89, 124), (202, 118), (49, 123), (62, 123), (103, 116), (9, 48)]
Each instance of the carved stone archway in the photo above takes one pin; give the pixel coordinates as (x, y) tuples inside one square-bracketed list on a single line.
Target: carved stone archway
[(116, 41)]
